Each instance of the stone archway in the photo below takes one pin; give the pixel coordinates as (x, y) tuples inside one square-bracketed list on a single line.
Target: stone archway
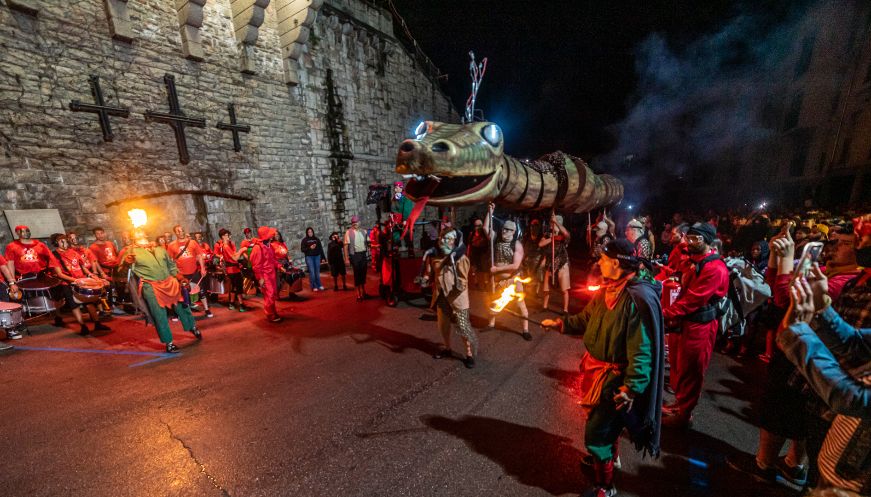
[(195, 210)]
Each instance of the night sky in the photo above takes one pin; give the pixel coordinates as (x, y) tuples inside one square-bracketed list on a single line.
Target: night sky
[(561, 73)]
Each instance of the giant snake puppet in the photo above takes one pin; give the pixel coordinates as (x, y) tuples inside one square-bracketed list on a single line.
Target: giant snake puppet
[(464, 164)]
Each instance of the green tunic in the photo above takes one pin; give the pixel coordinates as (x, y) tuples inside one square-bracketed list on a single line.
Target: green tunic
[(617, 336), (154, 265)]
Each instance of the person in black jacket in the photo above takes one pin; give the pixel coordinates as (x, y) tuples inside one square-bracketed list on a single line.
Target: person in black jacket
[(336, 260), (314, 252)]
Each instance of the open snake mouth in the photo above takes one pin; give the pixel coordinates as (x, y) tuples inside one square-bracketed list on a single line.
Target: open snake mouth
[(446, 187)]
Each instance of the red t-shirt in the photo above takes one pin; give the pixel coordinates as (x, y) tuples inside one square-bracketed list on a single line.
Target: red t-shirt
[(226, 252), (188, 260), (30, 258), (73, 263), (280, 250), (206, 249), (3, 262), (87, 255), (106, 253)]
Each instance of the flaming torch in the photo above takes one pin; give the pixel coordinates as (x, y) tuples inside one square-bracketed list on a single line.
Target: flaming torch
[(138, 217), (510, 294)]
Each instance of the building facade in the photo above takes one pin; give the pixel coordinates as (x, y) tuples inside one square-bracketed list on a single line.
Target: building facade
[(326, 87)]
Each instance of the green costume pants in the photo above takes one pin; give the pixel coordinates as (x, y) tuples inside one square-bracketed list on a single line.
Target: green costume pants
[(604, 423), (159, 314)]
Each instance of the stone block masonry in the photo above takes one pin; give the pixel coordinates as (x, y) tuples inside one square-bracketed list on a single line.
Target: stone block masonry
[(51, 157)]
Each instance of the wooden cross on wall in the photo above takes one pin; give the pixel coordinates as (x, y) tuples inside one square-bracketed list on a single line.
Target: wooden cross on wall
[(176, 119), (101, 109), (234, 127)]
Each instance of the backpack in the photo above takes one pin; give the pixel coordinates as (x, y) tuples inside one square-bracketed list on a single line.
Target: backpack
[(747, 292)]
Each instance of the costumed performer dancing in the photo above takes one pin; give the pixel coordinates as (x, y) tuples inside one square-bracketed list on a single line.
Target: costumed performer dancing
[(451, 295), (622, 369), (161, 286), (508, 256)]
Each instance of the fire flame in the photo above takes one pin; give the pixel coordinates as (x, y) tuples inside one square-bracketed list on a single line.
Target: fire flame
[(593, 288), (509, 295), (138, 217)]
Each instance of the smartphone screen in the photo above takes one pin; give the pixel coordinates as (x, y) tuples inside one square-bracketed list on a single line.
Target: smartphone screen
[(809, 255)]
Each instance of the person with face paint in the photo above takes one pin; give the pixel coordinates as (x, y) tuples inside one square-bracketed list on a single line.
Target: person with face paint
[(160, 286), (623, 367), (508, 255), (73, 265), (451, 296), (695, 314), (533, 257), (636, 233), (557, 260)]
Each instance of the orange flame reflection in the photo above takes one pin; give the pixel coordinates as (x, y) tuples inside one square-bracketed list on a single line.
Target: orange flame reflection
[(509, 295)]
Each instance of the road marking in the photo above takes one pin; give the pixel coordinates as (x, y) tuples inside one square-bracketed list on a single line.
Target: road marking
[(158, 356)]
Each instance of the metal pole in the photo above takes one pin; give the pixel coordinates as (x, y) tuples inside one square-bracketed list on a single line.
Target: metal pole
[(492, 236), (552, 250)]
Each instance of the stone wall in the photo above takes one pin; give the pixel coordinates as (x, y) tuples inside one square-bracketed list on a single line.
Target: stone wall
[(312, 151)]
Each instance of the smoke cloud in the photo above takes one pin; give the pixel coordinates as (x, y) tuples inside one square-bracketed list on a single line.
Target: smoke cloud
[(704, 109)]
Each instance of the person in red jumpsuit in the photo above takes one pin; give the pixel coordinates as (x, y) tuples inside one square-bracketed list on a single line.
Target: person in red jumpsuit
[(695, 314), (266, 268)]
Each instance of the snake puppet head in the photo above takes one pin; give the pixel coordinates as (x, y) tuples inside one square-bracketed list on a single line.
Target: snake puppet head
[(452, 164)]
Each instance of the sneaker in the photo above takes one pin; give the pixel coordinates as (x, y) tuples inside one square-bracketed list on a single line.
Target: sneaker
[(175, 319), (796, 475), (84, 331), (321, 288), (231, 307), (118, 311), (316, 289), (526, 336), (5, 346), (13, 335), (209, 314), (469, 362), (101, 327), (276, 319), (242, 309), (747, 464), (598, 491), (197, 333), (171, 348)]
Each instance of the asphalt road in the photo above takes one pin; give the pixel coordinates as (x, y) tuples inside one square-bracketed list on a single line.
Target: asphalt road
[(343, 398)]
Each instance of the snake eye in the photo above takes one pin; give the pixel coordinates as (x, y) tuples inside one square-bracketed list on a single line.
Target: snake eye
[(420, 130), (492, 134)]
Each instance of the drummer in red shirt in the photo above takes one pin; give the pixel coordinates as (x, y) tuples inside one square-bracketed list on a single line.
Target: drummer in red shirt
[(29, 257), (188, 256), (72, 267), (7, 279), (108, 261), (226, 250)]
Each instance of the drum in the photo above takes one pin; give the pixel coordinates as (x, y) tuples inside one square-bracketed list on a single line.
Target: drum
[(11, 316), (38, 298), (195, 293), (88, 290), (216, 284)]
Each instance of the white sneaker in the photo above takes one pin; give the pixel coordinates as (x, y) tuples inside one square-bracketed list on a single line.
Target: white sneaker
[(321, 289), (315, 289), (13, 334)]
